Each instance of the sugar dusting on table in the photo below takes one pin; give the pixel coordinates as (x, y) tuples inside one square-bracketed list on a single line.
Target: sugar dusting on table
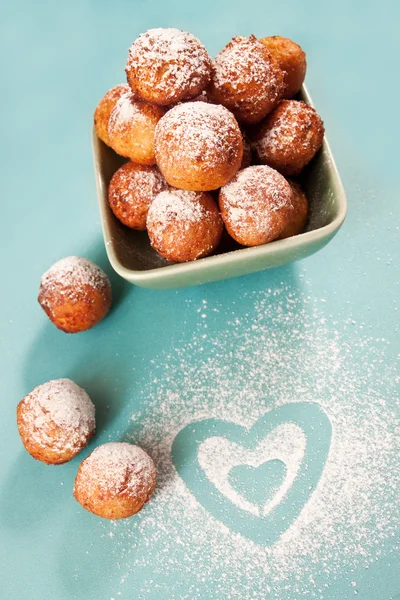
[(286, 349)]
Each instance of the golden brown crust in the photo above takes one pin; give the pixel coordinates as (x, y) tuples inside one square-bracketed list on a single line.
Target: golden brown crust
[(256, 205), (75, 294), (131, 129), (166, 66), (115, 481), (184, 225), (246, 79), (131, 191), (55, 421), (104, 109), (289, 137), (292, 60), (300, 213), (198, 146)]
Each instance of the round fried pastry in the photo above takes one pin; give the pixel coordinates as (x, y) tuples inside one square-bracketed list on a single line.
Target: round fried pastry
[(104, 109), (292, 60)]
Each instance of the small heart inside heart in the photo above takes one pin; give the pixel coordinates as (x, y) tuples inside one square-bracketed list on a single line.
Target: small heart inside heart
[(258, 485)]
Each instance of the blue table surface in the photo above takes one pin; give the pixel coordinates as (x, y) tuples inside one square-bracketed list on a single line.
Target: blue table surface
[(57, 59)]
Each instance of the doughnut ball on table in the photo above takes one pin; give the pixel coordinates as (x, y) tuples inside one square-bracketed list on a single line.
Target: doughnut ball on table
[(131, 191), (292, 60), (131, 129), (300, 212), (246, 79), (289, 137), (104, 109), (115, 481), (198, 146), (56, 421), (256, 206), (167, 65), (184, 225), (75, 294)]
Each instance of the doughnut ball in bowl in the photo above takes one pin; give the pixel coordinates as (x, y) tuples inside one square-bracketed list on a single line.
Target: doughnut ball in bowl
[(246, 79), (198, 146), (75, 294), (256, 206), (131, 129), (165, 66), (115, 481), (292, 60), (56, 421), (289, 137), (184, 225), (131, 191), (104, 109), (300, 212)]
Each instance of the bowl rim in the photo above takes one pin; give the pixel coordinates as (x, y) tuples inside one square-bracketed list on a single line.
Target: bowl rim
[(227, 258)]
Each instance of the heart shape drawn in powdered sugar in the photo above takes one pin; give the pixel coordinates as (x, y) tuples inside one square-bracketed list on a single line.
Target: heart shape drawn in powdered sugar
[(306, 431)]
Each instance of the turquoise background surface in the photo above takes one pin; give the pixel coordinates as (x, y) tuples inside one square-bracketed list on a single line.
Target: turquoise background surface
[(57, 59)]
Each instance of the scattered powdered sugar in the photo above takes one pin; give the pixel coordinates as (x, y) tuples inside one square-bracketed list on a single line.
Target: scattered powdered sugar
[(168, 60), (203, 133), (124, 114), (70, 276), (62, 403), (118, 467), (285, 349)]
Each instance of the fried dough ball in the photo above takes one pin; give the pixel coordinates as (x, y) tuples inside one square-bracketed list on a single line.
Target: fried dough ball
[(256, 205), (115, 480), (300, 212), (56, 421), (104, 108), (246, 160), (75, 294), (184, 225), (246, 79), (198, 146), (289, 137), (131, 191), (292, 60), (167, 65), (131, 129)]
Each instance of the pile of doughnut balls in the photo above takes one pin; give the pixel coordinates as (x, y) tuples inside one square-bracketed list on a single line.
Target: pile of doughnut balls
[(210, 143), (191, 129)]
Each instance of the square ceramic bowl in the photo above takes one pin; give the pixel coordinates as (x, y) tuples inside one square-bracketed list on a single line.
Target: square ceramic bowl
[(133, 258)]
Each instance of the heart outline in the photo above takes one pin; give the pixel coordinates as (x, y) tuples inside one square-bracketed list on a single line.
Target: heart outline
[(266, 529)]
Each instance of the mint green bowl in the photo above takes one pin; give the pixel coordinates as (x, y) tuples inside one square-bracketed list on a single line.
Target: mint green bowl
[(133, 258)]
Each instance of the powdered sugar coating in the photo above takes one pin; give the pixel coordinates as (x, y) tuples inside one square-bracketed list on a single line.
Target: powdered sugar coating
[(256, 205), (184, 225), (118, 468), (131, 191), (126, 110), (70, 277), (198, 146), (246, 79), (289, 137), (166, 65), (57, 416)]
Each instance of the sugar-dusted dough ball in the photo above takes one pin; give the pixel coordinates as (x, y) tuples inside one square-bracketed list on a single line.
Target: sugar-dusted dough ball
[(184, 225), (300, 212), (131, 129), (56, 421), (198, 146), (289, 137), (115, 481), (246, 79), (292, 60), (75, 294), (104, 109), (167, 65), (131, 191), (256, 205)]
